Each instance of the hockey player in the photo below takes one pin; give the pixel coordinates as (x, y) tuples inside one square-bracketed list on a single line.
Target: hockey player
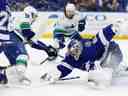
[(90, 56), (26, 34), (15, 49), (68, 25), (4, 34)]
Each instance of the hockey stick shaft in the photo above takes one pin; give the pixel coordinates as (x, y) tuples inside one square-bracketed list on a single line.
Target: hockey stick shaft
[(61, 56), (70, 78), (44, 61), (5, 67)]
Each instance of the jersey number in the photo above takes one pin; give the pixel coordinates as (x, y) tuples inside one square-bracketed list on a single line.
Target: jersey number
[(3, 18)]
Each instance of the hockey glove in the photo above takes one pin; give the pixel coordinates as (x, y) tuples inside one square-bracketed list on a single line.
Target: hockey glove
[(52, 53)]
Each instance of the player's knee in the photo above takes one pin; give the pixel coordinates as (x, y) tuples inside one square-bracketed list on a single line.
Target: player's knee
[(20, 69), (22, 60)]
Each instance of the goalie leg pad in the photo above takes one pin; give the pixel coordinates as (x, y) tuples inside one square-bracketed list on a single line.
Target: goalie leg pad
[(101, 77), (114, 57), (21, 74)]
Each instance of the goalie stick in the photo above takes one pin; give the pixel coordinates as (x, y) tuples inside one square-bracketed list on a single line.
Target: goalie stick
[(69, 78), (60, 79), (5, 67), (44, 61)]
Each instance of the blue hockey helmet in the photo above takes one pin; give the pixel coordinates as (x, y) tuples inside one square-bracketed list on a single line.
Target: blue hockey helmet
[(3, 4)]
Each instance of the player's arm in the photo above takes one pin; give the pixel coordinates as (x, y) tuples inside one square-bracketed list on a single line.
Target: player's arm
[(107, 33), (52, 52), (62, 70), (65, 68), (28, 34)]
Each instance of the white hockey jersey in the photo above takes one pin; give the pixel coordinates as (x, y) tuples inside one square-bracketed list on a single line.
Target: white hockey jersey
[(68, 26)]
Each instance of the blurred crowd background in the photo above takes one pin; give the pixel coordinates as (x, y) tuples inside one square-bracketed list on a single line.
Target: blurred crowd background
[(82, 5)]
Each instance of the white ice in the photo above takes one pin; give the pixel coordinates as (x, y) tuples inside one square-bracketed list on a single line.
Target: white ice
[(64, 88)]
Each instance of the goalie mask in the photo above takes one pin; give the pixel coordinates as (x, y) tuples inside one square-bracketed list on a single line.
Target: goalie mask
[(75, 49)]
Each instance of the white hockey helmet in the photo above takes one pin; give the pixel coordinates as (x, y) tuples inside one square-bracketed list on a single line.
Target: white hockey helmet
[(30, 13)]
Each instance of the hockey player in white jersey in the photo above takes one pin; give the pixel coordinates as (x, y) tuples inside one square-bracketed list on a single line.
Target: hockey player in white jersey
[(68, 25), (16, 52), (88, 55)]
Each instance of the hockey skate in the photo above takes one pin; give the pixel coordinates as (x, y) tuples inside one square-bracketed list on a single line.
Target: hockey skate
[(24, 81)]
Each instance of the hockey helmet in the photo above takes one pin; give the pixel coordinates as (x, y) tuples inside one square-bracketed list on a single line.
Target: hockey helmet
[(75, 48), (30, 13)]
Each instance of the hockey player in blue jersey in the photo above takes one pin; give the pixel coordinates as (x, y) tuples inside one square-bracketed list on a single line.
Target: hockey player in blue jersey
[(13, 42), (68, 26), (4, 34), (90, 55)]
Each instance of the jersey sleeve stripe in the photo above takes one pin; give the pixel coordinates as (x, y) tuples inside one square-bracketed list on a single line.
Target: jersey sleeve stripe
[(4, 36), (67, 65), (103, 38)]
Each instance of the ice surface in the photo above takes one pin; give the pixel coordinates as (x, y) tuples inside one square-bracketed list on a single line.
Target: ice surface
[(64, 88)]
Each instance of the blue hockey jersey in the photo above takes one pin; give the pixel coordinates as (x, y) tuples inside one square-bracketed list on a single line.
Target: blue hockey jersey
[(93, 50), (3, 20)]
